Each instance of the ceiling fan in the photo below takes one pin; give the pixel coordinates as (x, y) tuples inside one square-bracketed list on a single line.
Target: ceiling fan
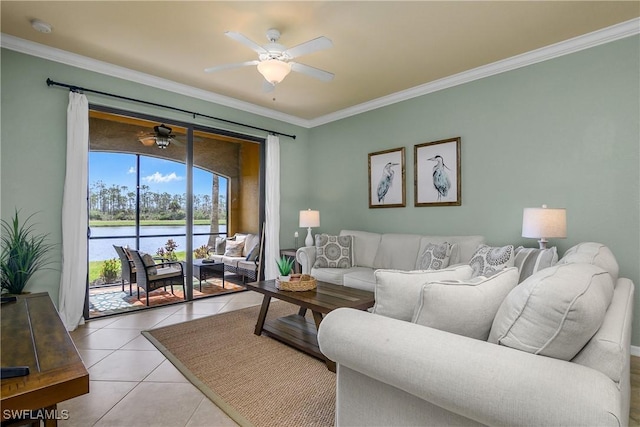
[(274, 60), (161, 136)]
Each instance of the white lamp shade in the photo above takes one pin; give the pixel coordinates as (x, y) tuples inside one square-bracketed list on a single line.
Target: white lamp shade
[(309, 218), (274, 70), (544, 222)]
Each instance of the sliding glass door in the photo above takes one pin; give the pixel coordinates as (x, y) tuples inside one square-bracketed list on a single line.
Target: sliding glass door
[(169, 190)]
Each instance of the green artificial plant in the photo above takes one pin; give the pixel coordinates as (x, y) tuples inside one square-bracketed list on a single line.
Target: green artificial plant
[(23, 253), (285, 265)]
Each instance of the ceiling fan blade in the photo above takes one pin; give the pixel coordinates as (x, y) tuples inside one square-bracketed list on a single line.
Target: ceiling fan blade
[(325, 76), (246, 41), (229, 66), (309, 47)]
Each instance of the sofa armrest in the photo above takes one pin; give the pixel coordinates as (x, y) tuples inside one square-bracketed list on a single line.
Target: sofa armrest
[(488, 383), (306, 256)]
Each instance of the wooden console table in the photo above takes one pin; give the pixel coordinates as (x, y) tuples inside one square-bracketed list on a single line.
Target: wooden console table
[(33, 335)]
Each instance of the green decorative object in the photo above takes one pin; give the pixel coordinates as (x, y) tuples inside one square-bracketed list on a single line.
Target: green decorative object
[(23, 253), (285, 265)]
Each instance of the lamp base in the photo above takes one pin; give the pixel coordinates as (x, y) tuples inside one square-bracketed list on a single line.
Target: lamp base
[(309, 239), (543, 243)]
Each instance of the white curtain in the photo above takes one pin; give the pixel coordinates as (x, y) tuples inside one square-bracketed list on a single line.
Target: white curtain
[(74, 214), (272, 202)]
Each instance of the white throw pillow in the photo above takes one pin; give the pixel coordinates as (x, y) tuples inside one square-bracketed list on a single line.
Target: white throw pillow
[(555, 312), (234, 248), (397, 291), (592, 253), (435, 256), (488, 260), (532, 260), (465, 307)]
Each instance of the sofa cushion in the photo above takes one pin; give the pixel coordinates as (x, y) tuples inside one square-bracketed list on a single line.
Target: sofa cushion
[(232, 260), (361, 278), (555, 312), (464, 307), (592, 253), (531, 260), (220, 247), (234, 248), (334, 251), (250, 242), (435, 256), (488, 260), (365, 246), (607, 350), (149, 262), (398, 251), (397, 291), (465, 246), (335, 275)]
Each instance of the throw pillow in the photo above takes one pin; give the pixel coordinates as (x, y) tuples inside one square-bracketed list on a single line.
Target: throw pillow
[(221, 244), (531, 260), (488, 260), (592, 253), (334, 251), (234, 248), (253, 253), (435, 256), (149, 261), (555, 312), (464, 307), (397, 291)]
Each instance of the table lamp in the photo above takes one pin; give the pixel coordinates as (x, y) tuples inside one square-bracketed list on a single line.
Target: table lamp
[(309, 219), (542, 223)]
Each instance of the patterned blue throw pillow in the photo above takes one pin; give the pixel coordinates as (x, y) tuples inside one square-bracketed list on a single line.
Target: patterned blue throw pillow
[(435, 256), (334, 251)]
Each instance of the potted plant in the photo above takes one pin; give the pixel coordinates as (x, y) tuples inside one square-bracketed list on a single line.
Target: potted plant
[(23, 252), (285, 265)]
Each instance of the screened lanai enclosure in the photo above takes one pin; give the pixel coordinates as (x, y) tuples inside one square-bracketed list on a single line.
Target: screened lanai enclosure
[(168, 190)]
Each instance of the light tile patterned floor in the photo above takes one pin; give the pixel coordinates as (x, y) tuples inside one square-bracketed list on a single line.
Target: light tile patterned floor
[(131, 382)]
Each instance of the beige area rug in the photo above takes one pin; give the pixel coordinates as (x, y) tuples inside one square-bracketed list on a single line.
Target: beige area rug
[(256, 380)]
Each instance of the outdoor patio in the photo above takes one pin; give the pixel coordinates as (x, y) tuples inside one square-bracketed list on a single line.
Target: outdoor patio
[(110, 299)]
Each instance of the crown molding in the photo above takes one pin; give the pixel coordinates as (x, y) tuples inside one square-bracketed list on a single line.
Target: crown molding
[(576, 44), (85, 63)]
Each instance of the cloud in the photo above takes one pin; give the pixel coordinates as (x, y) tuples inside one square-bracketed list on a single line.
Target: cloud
[(158, 178), (131, 170)]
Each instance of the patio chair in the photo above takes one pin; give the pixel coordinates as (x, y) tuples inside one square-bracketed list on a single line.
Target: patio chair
[(128, 269), (151, 276)]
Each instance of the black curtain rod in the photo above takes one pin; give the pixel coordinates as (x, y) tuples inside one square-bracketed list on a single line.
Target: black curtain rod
[(192, 113)]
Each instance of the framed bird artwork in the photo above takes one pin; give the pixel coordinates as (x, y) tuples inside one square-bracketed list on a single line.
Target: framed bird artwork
[(437, 180), (387, 188)]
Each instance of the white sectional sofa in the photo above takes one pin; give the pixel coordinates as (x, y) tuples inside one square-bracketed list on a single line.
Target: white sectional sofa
[(373, 251), (393, 372)]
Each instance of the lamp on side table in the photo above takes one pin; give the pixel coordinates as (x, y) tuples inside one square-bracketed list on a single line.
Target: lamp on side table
[(309, 219)]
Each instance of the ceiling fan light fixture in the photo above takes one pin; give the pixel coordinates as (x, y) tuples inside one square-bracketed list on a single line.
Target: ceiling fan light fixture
[(162, 142), (148, 141), (274, 70)]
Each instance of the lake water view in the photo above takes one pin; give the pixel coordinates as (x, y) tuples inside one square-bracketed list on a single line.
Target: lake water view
[(102, 249)]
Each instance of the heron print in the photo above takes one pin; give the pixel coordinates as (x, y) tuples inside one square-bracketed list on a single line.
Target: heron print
[(437, 173), (386, 179)]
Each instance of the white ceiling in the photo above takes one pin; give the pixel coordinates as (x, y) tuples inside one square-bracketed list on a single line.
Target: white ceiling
[(380, 48)]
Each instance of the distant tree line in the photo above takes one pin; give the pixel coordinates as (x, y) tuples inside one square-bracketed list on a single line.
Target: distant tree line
[(119, 203)]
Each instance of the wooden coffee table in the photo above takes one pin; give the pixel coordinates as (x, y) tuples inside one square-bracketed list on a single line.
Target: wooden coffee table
[(295, 329)]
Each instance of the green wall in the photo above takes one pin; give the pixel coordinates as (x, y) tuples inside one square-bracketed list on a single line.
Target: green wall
[(33, 141), (563, 132)]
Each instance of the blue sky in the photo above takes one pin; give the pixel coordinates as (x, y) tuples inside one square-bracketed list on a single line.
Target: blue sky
[(159, 174)]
